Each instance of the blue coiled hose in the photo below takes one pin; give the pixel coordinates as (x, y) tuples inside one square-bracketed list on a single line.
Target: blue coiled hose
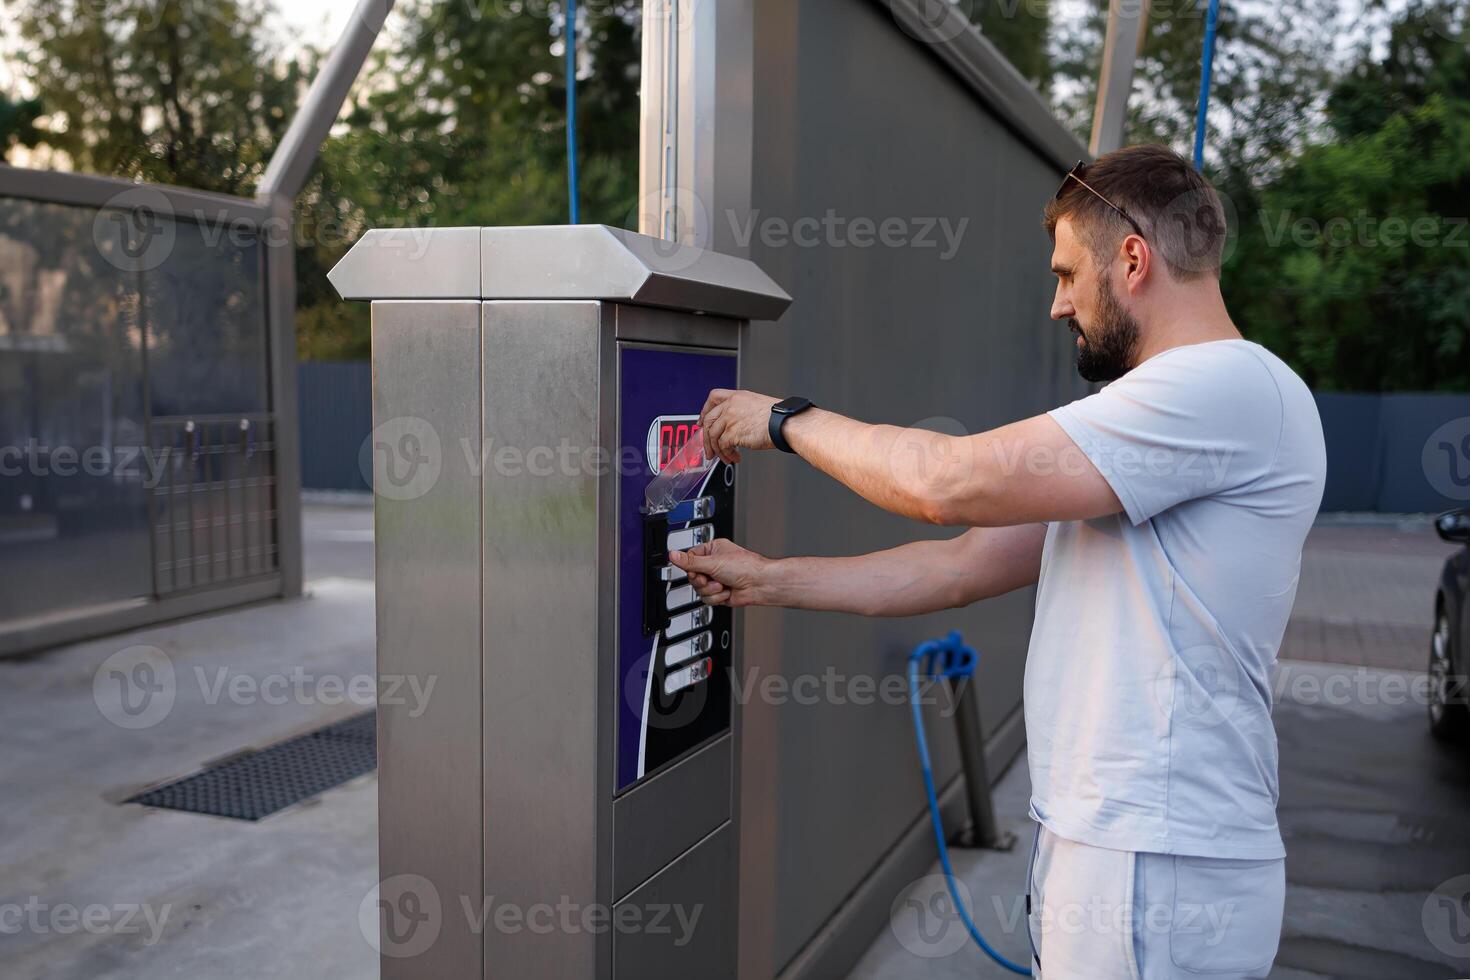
[(951, 659)]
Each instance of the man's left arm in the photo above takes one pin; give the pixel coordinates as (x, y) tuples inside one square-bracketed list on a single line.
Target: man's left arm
[(1020, 473)]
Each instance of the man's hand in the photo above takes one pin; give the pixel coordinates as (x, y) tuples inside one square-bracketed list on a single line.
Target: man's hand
[(735, 420), (725, 574)]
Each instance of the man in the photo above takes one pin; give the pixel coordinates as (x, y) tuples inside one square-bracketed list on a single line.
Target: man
[(1163, 520)]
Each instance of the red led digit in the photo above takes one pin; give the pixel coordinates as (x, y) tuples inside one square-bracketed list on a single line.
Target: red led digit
[(681, 438)]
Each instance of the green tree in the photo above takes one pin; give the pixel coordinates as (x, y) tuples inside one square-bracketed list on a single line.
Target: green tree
[(461, 120), (1272, 68), (18, 123), (172, 91), (1356, 266), (1021, 29)]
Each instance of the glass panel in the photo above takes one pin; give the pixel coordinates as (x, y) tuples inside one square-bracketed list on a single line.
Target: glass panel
[(110, 320), (73, 504), (206, 325)]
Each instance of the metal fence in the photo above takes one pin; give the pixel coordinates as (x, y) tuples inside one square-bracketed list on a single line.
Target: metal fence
[(214, 505), (1396, 453), (336, 416)]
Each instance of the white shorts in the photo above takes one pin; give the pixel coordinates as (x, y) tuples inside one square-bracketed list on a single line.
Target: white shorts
[(1098, 914)]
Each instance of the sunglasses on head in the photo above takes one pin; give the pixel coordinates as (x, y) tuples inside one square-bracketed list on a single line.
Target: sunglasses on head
[(1077, 173)]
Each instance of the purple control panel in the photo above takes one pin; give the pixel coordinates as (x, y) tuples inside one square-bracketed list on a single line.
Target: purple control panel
[(674, 652)]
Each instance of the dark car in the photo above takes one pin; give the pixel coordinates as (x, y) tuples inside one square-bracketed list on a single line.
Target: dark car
[(1449, 713)]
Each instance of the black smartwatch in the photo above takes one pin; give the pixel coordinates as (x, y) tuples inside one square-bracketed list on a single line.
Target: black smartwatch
[(780, 412)]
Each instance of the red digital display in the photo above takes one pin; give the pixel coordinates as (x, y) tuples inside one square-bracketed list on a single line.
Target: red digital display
[(672, 438), (668, 437)]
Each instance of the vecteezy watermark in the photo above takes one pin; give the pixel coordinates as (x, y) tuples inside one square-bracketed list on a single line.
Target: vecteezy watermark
[(835, 687), (1446, 917), (137, 688), (836, 231), (404, 915), (138, 230), (402, 458), (1363, 229), (135, 230), (139, 464), (96, 919), (933, 21), (1200, 687), (926, 922), (300, 686), (1312, 685), (1446, 459), (401, 916)]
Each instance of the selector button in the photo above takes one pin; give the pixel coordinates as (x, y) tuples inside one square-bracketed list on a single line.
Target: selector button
[(686, 650), (691, 536), (698, 509), (672, 573), (681, 596), (677, 680), (687, 622)]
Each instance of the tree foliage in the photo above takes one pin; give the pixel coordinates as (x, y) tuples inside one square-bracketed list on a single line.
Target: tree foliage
[(1354, 263), (1345, 167), (172, 91)]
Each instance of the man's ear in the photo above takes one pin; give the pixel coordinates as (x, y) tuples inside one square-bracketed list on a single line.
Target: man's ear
[(1138, 260)]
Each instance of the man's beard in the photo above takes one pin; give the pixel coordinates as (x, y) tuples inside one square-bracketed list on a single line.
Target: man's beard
[(1108, 349)]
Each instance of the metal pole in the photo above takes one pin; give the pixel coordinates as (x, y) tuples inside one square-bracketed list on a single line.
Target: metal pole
[(1127, 29), (1206, 69), (984, 830), (571, 52), (286, 174)]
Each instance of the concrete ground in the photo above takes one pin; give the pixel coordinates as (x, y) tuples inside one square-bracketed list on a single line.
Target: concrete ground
[(91, 889), (1367, 593), (1375, 813)]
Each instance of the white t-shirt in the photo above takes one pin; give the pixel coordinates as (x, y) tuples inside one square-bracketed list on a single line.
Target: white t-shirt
[(1148, 698)]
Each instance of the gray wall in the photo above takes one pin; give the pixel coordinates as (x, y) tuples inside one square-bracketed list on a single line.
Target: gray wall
[(1386, 452), (855, 116)]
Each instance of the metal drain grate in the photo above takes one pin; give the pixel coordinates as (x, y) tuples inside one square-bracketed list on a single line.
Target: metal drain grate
[(259, 784)]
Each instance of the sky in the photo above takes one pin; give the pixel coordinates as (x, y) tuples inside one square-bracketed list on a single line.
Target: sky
[(314, 22)]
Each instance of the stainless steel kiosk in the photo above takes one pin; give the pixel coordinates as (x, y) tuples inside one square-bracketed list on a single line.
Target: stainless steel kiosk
[(563, 806)]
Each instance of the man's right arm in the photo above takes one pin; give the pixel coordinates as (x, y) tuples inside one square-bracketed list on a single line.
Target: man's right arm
[(916, 578)]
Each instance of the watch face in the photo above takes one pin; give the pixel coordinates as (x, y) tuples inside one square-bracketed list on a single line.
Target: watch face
[(790, 405)]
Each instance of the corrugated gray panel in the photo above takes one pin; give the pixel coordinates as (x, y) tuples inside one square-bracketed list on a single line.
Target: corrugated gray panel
[(855, 117)]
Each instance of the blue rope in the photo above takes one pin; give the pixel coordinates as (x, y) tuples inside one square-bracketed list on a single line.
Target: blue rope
[(571, 46), (953, 660), (1206, 69)]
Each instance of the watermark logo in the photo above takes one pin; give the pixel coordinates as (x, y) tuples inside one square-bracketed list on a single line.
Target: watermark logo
[(135, 688), (64, 919), (926, 922), (1446, 459), (681, 228), (1446, 917), (933, 21), (135, 230), (928, 464), (402, 458), (1196, 235), (1199, 687), (401, 916)]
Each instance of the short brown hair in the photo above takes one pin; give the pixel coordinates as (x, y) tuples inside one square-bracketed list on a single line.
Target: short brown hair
[(1180, 212)]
